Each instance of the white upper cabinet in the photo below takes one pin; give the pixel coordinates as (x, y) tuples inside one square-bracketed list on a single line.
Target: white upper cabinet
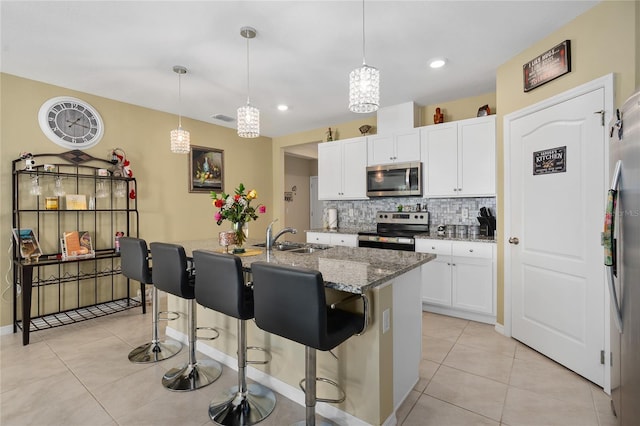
[(459, 158), (398, 147), (342, 167)]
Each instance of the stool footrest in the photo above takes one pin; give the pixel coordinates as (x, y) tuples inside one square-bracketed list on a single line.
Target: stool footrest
[(266, 352), (170, 315), (216, 335), (342, 397)]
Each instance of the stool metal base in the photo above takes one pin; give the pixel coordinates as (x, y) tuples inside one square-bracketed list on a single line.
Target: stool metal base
[(317, 423), (154, 352), (192, 376), (231, 408)]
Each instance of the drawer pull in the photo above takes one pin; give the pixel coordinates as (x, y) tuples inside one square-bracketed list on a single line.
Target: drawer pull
[(471, 250)]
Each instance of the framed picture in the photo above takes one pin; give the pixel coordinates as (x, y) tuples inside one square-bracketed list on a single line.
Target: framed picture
[(206, 169)]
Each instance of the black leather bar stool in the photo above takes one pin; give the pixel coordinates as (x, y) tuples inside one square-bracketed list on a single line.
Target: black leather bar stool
[(291, 303), (220, 286), (134, 262), (171, 273)]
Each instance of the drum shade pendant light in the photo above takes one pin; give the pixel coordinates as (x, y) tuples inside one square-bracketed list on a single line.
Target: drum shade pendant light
[(180, 138), (248, 116), (364, 84)]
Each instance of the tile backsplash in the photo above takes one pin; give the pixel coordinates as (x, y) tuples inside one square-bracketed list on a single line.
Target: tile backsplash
[(443, 211)]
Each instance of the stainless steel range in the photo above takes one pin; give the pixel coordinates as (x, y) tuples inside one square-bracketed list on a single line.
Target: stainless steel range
[(395, 230)]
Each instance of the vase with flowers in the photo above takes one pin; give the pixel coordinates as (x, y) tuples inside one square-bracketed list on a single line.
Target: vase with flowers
[(237, 209)]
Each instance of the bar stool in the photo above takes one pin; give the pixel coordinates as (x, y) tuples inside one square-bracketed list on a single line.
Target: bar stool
[(173, 275), (220, 286), (291, 303), (134, 261)]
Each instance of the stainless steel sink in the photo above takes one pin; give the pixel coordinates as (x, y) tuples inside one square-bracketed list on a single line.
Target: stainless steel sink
[(283, 246), (310, 249)]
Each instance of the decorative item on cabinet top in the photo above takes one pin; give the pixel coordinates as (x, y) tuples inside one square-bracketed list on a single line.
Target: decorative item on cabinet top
[(364, 129), (484, 110), (438, 117)]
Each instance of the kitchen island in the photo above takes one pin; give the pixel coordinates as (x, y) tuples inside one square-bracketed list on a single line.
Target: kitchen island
[(377, 369)]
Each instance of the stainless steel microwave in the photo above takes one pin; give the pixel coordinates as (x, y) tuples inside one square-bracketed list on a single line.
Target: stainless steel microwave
[(394, 180)]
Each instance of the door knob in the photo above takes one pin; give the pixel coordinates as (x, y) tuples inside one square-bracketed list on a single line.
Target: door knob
[(514, 240)]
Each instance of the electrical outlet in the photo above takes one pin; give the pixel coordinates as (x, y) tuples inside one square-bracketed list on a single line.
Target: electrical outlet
[(465, 213), (386, 320)]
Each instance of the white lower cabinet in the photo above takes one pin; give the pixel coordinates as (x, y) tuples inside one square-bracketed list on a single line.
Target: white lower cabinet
[(461, 280), (319, 237), (332, 238)]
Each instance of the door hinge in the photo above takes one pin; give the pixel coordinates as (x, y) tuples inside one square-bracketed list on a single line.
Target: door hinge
[(602, 357), (601, 112)]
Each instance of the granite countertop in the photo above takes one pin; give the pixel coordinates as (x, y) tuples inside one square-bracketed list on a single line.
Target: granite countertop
[(425, 235), (349, 269), (481, 239), (342, 230)]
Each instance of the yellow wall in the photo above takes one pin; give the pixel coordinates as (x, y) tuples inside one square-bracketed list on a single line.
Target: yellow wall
[(168, 212), (459, 109), (602, 41)]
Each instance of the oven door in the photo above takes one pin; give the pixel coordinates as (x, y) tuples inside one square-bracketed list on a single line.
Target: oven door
[(390, 243)]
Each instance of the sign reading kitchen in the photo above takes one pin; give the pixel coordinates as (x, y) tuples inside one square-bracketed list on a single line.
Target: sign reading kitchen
[(550, 161)]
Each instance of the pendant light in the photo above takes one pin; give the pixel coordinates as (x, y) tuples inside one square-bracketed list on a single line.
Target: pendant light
[(180, 138), (364, 84), (248, 116)]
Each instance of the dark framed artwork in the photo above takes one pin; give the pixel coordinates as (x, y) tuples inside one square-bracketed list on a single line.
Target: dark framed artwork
[(206, 169), (547, 66)]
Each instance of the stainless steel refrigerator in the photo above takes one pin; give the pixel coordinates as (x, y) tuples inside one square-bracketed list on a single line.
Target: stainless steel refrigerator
[(622, 258)]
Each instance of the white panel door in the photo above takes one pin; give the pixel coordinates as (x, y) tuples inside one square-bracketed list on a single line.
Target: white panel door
[(477, 157), (354, 173), (440, 147), (557, 273), (329, 170), (407, 146), (380, 150)]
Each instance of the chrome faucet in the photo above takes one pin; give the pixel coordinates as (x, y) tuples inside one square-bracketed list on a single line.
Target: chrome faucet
[(270, 240)]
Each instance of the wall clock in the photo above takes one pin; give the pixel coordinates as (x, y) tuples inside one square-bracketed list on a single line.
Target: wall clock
[(70, 122)]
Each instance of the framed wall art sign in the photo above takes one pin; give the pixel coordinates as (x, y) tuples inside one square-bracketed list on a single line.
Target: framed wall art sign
[(206, 169), (547, 66)]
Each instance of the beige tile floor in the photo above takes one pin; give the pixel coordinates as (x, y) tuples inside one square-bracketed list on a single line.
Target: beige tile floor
[(470, 375)]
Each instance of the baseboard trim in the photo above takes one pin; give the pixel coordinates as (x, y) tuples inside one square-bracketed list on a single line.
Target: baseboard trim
[(500, 328), (7, 329)]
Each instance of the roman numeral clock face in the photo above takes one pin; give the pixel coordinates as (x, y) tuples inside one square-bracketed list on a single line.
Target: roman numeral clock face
[(70, 122)]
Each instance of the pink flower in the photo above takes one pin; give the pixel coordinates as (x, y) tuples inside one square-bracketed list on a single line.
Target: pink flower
[(217, 216), (262, 209)]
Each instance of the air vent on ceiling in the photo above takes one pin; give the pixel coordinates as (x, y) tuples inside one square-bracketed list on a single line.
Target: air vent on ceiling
[(223, 117)]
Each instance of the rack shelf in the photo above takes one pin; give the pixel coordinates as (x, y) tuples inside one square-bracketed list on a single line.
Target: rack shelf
[(55, 290)]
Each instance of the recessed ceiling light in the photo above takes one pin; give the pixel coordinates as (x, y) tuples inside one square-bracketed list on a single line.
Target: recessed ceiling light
[(437, 63), (283, 107)]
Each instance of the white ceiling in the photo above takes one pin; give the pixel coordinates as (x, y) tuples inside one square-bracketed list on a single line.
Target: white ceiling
[(302, 55)]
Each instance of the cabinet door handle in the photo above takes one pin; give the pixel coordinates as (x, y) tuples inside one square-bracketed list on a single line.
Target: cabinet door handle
[(455, 189), (433, 248), (470, 250)]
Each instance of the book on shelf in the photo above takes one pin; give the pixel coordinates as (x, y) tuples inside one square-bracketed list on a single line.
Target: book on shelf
[(76, 202), (76, 245), (27, 243)]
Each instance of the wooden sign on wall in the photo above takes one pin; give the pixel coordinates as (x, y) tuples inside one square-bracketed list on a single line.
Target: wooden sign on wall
[(547, 66)]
